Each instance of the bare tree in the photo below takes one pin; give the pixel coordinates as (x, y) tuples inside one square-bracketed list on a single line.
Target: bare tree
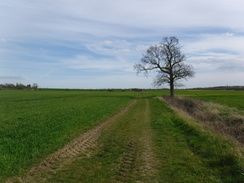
[(167, 59)]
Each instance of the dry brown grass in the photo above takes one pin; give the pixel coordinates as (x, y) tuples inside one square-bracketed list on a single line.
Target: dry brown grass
[(223, 119)]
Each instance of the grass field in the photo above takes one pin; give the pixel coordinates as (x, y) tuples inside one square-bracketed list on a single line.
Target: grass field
[(226, 97), (36, 123), (148, 142), (230, 98)]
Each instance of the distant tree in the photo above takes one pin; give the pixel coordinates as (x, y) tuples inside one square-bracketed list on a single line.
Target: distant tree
[(9, 86), (35, 86), (166, 59), (20, 86), (28, 86)]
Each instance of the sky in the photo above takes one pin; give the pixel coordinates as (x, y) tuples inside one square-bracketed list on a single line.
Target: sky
[(95, 43)]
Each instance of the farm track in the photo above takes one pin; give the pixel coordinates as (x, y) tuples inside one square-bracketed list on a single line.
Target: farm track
[(138, 156), (144, 142), (149, 163), (127, 163), (81, 145)]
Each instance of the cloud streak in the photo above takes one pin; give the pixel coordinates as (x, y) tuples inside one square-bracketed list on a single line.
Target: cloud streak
[(46, 41), (12, 78)]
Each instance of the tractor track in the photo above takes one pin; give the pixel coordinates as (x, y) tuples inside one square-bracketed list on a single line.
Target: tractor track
[(127, 164), (138, 159), (81, 145), (149, 162)]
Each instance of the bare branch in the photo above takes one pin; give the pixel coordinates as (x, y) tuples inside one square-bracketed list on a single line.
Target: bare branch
[(167, 59)]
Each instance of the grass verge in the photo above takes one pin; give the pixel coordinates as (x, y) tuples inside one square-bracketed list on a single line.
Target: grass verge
[(222, 119), (191, 154)]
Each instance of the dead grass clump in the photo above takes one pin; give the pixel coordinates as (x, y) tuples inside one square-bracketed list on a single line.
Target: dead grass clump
[(222, 119), (235, 119), (195, 108), (185, 104)]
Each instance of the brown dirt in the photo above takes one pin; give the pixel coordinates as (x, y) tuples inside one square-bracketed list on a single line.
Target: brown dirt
[(69, 153)]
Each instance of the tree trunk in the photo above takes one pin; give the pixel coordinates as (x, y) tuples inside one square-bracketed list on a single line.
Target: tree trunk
[(172, 88)]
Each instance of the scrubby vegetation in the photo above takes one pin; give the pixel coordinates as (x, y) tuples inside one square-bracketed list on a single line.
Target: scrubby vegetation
[(223, 119), (191, 153), (18, 86)]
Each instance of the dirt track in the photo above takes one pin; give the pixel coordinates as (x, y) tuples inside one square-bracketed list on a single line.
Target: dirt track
[(132, 146), (66, 155), (148, 168), (137, 163)]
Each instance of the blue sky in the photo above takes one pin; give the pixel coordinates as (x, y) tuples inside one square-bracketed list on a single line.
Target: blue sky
[(94, 43)]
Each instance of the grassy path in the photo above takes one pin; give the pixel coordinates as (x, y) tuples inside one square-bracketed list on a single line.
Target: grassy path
[(124, 152), (145, 142), (66, 155)]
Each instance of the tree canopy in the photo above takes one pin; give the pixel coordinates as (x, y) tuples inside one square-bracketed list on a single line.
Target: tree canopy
[(168, 61)]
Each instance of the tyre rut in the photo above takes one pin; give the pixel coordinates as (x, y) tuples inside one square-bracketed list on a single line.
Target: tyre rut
[(138, 161), (81, 145), (127, 164), (149, 162)]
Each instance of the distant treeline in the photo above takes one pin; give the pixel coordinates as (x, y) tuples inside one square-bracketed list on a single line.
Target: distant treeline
[(18, 86), (221, 88)]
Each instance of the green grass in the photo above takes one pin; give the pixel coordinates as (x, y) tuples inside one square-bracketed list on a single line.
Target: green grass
[(230, 98), (103, 166), (191, 154), (36, 123), (185, 152)]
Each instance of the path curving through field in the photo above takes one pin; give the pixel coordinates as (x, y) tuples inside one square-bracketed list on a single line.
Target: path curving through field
[(136, 163), (69, 153), (139, 162), (145, 142)]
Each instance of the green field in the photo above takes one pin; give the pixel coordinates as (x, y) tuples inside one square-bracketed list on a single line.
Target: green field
[(230, 98), (226, 97), (34, 124)]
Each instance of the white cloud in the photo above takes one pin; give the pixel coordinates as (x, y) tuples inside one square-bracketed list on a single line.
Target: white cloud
[(96, 65), (213, 64), (142, 48), (98, 82), (230, 34), (214, 42), (115, 18), (107, 42), (214, 79), (112, 35), (12, 78), (2, 40), (115, 48)]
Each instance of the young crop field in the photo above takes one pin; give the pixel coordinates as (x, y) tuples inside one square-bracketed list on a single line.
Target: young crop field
[(36, 123), (113, 136), (230, 98)]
